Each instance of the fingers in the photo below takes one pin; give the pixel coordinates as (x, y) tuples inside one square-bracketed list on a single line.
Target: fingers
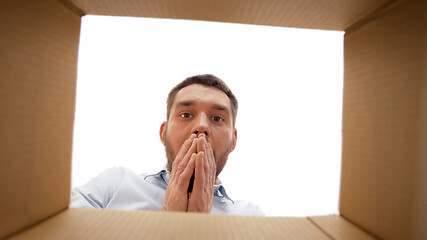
[(211, 161), (185, 176), (176, 196), (184, 161), (209, 165), (203, 162), (201, 198), (182, 153), (195, 155), (209, 151), (202, 143), (205, 167), (199, 179)]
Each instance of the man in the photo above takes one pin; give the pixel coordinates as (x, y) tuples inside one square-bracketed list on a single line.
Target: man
[(198, 136)]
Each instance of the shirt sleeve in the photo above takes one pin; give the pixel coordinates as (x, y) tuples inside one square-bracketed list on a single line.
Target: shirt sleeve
[(98, 192)]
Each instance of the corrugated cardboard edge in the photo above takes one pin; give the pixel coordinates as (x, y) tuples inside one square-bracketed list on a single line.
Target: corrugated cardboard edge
[(34, 225), (420, 204), (337, 227), (327, 15), (103, 224), (115, 224), (70, 5), (372, 15)]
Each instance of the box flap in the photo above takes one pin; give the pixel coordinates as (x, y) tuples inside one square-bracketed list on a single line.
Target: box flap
[(114, 224), (384, 76), (325, 14), (338, 227), (39, 45)]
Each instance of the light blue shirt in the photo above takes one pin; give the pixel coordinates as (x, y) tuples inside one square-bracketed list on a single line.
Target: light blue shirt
[(120, 188)]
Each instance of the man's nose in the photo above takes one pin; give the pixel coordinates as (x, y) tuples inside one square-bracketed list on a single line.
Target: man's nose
[(197, 132), (201, 125)]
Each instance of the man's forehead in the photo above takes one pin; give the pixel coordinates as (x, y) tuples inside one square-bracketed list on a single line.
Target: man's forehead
[(200, 94)]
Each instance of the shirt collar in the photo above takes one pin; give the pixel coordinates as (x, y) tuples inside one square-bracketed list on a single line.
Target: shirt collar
[(164, 176)]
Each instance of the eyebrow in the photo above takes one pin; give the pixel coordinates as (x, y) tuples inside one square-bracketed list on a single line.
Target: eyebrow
[(218, 107), (184, 103)]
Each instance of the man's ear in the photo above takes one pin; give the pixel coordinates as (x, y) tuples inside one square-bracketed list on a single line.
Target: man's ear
[(234, 139), (162, 131)]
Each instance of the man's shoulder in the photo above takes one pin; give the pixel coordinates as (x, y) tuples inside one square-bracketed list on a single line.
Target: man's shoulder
[(120, 172), (113, 177), (114, 182)]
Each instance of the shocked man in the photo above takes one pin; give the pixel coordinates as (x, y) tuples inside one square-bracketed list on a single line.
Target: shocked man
[(198, 136)]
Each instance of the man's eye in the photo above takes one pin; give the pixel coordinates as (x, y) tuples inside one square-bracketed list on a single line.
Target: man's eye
[(185, 115), (217, 119)]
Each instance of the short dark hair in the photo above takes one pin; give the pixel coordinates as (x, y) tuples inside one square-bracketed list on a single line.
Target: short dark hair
[(207, 80)]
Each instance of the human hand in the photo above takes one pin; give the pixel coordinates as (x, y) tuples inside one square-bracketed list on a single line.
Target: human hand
[(200, 199), (176, 197)]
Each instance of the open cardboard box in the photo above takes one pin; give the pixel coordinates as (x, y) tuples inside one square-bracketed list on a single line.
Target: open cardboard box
[(384, 155)]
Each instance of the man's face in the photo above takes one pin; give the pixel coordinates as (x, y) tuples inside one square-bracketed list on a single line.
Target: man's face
[(200, 108)]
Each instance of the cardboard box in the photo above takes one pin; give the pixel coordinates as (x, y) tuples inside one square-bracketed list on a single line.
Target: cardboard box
[(384, 158)]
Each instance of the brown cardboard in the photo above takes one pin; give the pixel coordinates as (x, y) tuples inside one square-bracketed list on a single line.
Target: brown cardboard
[(337, 227), (330, 15), (420, 204), (113, 224), (381, 122), (384, 172), (39, 44)]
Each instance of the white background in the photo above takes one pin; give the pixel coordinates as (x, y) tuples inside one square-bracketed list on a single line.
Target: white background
[(289, 86)]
